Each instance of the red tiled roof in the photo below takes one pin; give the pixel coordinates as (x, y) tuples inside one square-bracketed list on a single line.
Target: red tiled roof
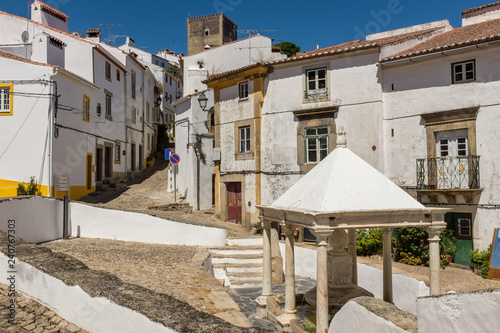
[(479, 8), (234, 71), (358, 45), (48, 27), (52, 10), (18, 58), (55, 39), (93, 31), (468, 35)]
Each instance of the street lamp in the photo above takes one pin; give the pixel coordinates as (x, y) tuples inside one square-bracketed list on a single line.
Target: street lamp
[(203, 101)]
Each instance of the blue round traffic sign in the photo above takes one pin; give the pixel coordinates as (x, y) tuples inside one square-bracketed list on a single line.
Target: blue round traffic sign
[(175, 158)]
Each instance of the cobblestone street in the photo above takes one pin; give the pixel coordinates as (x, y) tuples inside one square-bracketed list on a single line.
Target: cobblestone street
[(32, 316)]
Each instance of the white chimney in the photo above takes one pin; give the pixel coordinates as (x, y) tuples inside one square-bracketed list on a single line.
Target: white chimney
[(130, 42)]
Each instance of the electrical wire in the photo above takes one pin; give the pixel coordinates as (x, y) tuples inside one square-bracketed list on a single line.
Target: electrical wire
[(20, 127), (85, 132)]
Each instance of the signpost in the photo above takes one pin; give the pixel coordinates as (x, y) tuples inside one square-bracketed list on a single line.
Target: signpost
[(175, 159)]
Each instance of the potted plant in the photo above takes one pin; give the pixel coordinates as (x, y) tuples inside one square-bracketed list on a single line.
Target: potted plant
[(257, 228), (448, 245)]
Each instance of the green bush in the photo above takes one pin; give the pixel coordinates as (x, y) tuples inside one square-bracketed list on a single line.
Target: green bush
[(32, 189), (412, 246), (448, 246), (369, 242), (482, 258)]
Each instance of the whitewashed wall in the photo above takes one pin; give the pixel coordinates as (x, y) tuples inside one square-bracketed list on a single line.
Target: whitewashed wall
[(425, 87), (463, 312), (93, 222), (37, 219), (94, 314)]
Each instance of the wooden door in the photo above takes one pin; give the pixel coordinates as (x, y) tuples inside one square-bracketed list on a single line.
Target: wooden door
[(234, 202), (108, 162), (132, 156), (89, 171)]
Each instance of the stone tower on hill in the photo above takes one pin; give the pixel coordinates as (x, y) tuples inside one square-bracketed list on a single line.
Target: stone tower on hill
[(212, 30)]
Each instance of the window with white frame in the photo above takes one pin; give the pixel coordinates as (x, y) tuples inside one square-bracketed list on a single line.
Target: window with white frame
[(316, 86), (464, 71), (86, 108), (147, 111), (107, 70), (316, 144), (6, 99), (243, 90), (244, 139)]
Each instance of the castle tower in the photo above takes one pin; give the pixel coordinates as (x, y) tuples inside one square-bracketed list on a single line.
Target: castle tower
[(212, 30)]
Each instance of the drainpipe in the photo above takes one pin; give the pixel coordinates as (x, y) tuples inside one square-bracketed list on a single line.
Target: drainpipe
[(125, 74), (143, 107), (52, 117)]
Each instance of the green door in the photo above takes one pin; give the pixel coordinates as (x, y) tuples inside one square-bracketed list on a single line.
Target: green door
[(461, 224)]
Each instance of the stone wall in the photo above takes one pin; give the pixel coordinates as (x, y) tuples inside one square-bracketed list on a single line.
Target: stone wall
[(212, 30)]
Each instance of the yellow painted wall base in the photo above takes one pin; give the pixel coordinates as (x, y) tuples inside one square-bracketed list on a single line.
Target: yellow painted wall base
[(8, 188)]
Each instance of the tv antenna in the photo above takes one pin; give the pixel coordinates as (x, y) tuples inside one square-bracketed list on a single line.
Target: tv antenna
[(109, 30), (251, 32)]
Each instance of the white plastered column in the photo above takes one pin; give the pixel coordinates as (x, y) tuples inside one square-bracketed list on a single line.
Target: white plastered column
[(322, 280), (434, 259), (267, 287), (351, 249), (290, 310), (387, 269)]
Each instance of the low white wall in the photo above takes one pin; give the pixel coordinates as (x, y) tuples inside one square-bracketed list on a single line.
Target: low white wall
[(406, 290), (463, 312), (38, 219), (94, 314), (95, 222), (356, 318)]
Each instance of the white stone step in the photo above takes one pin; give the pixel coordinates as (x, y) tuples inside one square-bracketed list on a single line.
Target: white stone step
[(238, 265), (245, 284), (253, 274), (234, 270), (239, 251), (236, 247), (239, 255), (227, 260), (252, 241)]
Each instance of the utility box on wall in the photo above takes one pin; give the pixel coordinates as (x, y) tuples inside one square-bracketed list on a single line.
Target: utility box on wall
[(216, 155)]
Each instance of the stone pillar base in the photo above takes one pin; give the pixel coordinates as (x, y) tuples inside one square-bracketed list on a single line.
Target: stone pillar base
[(261, 307), (284, 319)]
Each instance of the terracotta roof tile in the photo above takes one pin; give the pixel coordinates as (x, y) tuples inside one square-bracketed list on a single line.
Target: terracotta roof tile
[(93, 31), (52, 10), (18, 58), (55, 39), (479, 8), (468, 35), (234, 71)]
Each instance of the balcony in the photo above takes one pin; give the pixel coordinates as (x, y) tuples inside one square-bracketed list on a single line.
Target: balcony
[(449, 176)]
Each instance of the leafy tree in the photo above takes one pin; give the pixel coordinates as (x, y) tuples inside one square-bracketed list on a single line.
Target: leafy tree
[(174, 70), (288, 48)]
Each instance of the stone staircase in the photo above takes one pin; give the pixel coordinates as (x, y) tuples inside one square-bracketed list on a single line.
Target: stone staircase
[(110, 185), (239, 263)]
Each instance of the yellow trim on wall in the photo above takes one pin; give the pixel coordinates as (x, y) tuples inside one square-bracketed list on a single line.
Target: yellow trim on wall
[(86, 99), (11, 99), (8, 188)]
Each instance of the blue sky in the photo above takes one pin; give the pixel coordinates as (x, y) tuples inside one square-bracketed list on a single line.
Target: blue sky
[(158, 24)]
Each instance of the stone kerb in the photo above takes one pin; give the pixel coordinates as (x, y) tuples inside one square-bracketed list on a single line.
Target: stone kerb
[(460, 312), (95, 222), (100, 302)]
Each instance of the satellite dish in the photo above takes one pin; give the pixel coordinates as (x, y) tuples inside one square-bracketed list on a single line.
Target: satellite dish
[(25, 36)]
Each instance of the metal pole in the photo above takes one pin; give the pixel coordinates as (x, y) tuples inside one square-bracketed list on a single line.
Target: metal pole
[(175, 183), (65, 216)]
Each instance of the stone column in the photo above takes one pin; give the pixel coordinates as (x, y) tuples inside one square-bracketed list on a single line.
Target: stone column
[(351, 248), (322, 280), (387, 270), (267, 288), (290, 310), (434, 259)]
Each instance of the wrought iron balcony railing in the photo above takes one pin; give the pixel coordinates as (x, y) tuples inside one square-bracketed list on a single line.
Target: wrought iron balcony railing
[(450, 172)]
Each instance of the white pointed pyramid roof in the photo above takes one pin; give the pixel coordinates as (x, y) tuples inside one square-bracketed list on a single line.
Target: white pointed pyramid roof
[(343, 182)]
